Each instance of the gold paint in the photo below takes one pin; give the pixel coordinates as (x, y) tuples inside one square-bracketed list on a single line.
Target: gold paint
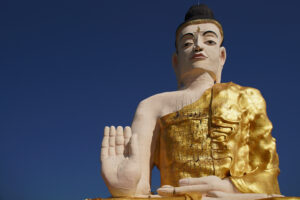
[(225, 133)]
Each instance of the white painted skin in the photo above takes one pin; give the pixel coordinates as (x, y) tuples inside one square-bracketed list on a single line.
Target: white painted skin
[(126, 153)]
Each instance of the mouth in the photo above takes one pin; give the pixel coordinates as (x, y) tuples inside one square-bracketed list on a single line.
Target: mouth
[(200, 56)]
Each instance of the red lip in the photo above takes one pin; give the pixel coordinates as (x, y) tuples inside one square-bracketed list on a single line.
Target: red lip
[(199, 56)]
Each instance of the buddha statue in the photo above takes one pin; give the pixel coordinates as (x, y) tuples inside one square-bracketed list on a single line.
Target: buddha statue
[(207, 138)]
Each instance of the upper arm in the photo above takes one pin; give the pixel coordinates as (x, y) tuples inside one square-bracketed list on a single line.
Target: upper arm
[(261, 176), (261, 143)]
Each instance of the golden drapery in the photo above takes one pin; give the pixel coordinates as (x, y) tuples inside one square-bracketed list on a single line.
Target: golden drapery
[(225, 133)]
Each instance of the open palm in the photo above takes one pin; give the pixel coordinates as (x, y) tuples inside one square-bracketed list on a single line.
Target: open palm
[(120, 160)]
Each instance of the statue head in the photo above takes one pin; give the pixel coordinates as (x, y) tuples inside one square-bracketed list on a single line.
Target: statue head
[(199, 46)]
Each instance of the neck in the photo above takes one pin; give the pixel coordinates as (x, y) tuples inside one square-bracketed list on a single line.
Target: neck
[(195, 81)]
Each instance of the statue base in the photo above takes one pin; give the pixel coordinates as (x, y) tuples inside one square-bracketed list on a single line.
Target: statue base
[(185, 197)]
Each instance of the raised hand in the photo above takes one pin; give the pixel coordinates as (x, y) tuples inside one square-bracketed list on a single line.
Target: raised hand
[(120, 166)]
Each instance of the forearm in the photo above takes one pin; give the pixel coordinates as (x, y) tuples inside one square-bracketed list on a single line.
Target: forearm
[(126, 154), (144, 124)]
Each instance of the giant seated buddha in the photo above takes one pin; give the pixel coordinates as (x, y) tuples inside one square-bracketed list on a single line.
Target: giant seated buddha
[(210, 140)]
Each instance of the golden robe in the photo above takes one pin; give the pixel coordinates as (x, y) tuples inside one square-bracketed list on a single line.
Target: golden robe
[(226, 133)]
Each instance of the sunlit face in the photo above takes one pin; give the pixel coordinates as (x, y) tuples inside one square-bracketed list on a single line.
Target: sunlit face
[(198, 49)]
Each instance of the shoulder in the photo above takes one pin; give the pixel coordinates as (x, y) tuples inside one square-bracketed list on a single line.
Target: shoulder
[(156, 104), (238, 89), (245, 96), (252, 99), (230, 86)]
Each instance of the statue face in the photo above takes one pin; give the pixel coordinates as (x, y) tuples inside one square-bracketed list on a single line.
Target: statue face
[(198, 51)]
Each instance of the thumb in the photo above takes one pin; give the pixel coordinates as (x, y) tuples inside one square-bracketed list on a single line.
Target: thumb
[(133, 147)]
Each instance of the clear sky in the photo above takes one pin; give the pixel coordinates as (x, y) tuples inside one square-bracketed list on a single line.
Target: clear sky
[(68, 68)]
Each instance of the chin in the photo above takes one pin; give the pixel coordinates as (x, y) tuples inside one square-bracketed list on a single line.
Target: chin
[(205, 67), (201, 70)]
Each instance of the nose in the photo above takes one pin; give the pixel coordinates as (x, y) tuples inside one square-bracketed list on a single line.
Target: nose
[(198, 46)]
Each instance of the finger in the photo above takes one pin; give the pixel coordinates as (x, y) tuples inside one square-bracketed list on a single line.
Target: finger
[(192, 188), (166, 190), (127, 136), (120, 141), (236, 196), (276, 195), (145, 196), (133, 147), (216, 194), (210, 198), (105, 143), (198, 181), (191, 181), (167, 186), (154, 196), (248, 196), (112, 138)]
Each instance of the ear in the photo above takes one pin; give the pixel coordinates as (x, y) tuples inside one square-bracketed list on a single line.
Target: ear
[(175, 64), (223, 56)]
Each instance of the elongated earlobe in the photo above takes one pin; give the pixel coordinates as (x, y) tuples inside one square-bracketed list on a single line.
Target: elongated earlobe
[(222, 62), (175, 67), (175, 64), (223, 56), (174, 61)]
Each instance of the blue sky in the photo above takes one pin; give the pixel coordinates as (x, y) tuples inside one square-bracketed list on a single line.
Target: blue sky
[(68, 68)]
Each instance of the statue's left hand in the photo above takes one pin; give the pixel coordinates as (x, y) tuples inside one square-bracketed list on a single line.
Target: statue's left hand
[(211, 188), (201, 185)]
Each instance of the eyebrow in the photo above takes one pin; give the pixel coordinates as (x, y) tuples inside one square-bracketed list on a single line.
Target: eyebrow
[(207, 32), (191, 34)]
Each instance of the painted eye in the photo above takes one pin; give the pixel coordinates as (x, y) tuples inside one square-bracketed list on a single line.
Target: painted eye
[(210, 42), (187, 44)]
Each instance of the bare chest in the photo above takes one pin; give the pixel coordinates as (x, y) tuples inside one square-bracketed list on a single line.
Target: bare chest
[(177, 100)]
